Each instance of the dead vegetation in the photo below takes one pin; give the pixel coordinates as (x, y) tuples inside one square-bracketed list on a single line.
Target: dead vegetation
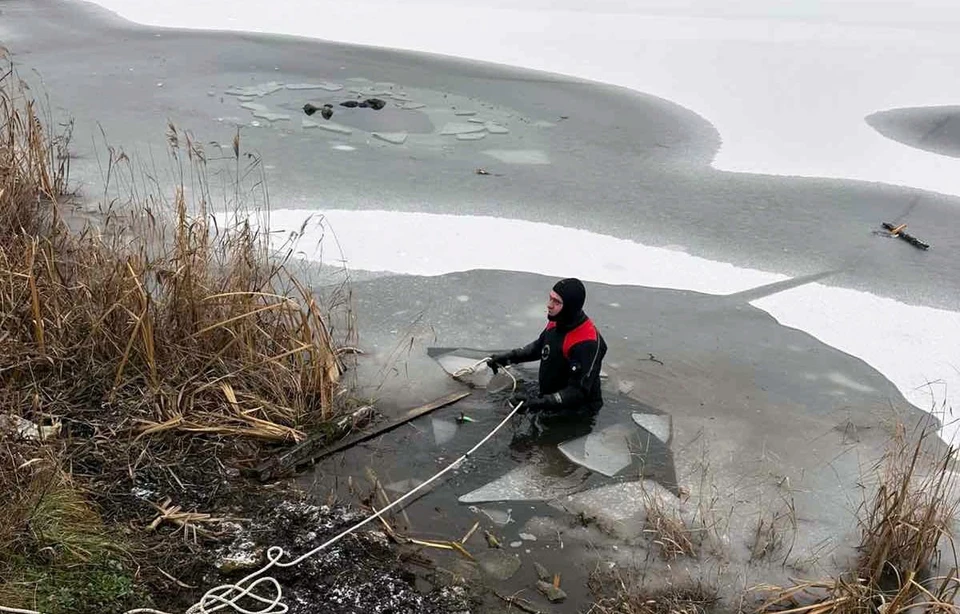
[(161, 332), (620, 593), (666, 529), (903, 527)]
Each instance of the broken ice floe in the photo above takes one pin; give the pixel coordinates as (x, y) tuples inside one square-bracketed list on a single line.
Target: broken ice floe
[(254, 106), (657, 425), (499, 564), (526, 483), (271, 116), (328, 126), (498, 517), (260, 90), (606, 452), (518, 156), (443, 431), (404, 486), (459, 128), (395, 138), (324, 85)]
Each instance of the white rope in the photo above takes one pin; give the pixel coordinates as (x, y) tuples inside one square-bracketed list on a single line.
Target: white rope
[(227, 595)]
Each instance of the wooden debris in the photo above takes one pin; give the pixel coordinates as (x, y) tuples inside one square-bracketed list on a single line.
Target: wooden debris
[(470, 533), (315, 449), (187, 521), (898, 232), (303, 453), (519, 603)]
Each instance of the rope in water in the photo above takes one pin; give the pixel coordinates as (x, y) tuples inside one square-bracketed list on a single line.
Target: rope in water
[(228, 595)]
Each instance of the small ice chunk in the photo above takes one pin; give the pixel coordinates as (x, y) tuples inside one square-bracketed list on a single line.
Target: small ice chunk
[(328, 126), (325, 85), (412, 106), (397, 138), (464, 113), (459, 128), (443, 431), (526, 483), (344, 148), (403, 486), (528, 537), (255, 90), (519, 156), (498, 517), (473, 136), (477, 120), (656, 425), (606, 452), (254, 106), (270, 116), (494, 128), (499, 564), (516, 544)]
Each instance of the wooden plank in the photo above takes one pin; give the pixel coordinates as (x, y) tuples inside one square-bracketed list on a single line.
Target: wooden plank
[(312, 451)]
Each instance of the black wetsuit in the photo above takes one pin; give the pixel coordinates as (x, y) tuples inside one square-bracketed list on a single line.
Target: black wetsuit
[(571, 356)]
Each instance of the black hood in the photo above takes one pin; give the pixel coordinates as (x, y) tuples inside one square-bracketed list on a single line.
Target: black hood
[(573, 294)]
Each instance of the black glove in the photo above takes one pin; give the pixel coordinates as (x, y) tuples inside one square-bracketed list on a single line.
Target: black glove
[(519, 397), (499, 360), (531, 403), (537, 403)]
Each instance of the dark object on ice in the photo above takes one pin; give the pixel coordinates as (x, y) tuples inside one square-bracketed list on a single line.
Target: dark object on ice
[(373, 103), (897, 231), (326, 110)]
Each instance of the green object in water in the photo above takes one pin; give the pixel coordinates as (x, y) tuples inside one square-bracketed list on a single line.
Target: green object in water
[(464, 418)]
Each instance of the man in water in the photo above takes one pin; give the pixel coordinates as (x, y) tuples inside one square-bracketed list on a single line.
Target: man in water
[(570, 350)]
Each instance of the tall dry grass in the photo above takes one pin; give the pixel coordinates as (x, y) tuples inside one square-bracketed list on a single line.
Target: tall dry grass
[(156, 318)]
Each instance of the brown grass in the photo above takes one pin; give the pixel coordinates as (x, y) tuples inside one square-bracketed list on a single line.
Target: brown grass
[(151, 334), (159, 322), (667, 530)]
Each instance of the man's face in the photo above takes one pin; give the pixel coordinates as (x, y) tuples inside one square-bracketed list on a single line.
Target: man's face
[(554, 304)]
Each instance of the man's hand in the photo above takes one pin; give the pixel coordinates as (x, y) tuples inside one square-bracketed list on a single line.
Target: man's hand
[(498, 360), (531, 403)]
